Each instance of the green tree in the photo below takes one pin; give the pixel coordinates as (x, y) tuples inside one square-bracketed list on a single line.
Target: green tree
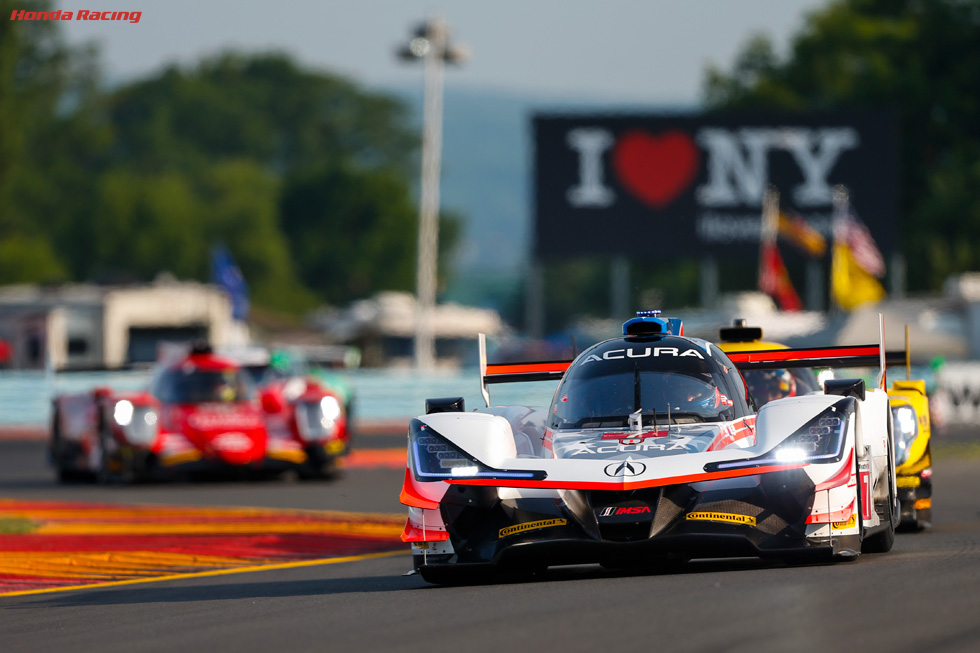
[(353, 232), (263, 107), (48, 96), (919, 57), (146, 224), (241, 210), (344, 226), (147, 177)]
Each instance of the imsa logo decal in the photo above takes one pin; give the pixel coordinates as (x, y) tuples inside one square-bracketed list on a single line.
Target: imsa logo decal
[(721, 516), (531, 526)]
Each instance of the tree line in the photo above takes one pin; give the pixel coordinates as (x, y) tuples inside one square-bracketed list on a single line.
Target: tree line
[(303, 175)]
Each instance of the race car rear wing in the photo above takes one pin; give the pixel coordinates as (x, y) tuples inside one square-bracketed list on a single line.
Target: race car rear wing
[(836, 357), (840, 356)]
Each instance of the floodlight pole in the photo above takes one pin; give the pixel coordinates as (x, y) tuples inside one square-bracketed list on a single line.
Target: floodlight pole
[(431, 44)]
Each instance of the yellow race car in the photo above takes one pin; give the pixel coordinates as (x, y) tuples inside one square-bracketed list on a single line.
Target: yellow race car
[(913, 458), (910, 417)]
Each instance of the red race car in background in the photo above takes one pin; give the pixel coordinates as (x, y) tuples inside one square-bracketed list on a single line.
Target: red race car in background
[(202, 414)]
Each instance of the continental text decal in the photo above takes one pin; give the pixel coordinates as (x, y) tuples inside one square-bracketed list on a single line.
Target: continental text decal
[(721, 516), (531, 525), (850, 523)]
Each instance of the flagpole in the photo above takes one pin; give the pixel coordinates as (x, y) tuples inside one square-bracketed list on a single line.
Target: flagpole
[(841, 200), (770, 217), (768, 227)]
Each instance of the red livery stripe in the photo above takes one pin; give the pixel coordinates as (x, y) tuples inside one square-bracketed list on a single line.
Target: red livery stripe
[(527, 368), (827, 518), (810, 353), (845, 475), (734, 432), (630, 485)]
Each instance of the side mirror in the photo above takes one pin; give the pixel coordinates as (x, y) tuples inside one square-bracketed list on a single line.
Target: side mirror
[(271, 403), (444, 405), (845, 387)]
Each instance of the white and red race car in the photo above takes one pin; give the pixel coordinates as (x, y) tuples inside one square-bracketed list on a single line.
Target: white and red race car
[(201, 414), (650, 453)]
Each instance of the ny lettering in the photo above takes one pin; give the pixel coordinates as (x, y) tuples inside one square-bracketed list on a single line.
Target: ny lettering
[(737, 163)]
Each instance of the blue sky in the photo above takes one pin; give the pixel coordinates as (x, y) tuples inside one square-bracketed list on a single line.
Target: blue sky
[(618, 50)]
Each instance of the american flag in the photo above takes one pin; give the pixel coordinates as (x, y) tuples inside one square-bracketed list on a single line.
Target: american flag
[(850, 231)]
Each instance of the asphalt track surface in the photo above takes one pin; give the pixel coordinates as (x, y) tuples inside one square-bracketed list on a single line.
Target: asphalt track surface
[(924, 595)]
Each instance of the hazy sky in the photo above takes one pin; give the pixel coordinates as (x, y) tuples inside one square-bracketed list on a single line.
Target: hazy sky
[(630, 50)]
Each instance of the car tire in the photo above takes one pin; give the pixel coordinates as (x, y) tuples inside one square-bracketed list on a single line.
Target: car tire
[(322, 469), (104, 475), (883, 540), (55, 451)]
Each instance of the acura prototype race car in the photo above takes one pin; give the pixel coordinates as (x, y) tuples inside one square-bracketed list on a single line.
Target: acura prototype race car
[(909, 406), (201, 414), (651, 453)]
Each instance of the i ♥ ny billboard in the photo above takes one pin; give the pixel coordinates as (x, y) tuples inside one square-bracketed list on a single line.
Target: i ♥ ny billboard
[(682, 185)]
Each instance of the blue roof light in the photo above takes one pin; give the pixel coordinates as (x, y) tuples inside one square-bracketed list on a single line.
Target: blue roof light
[(648, 323)]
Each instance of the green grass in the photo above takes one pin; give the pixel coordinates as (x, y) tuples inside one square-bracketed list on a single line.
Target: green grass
[(954, 450), (10, 525)]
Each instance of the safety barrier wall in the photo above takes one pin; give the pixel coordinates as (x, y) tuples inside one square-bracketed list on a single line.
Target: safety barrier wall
[(956, 399), (25, 397)]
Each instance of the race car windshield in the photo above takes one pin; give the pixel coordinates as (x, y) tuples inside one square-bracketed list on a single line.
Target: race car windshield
[(604, 392), (193, 386), (769, 385)]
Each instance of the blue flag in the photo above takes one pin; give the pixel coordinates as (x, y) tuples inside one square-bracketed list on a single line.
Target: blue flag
[(225, 273)]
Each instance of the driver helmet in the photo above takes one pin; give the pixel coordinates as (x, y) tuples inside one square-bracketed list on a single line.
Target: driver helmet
[(767, 385), (689, 393)]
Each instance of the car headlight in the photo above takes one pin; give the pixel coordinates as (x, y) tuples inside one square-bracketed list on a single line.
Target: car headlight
[(906, 426), (123, 412), (330, 409), (820, 440), (434, 458), (318, 421), (141, 428)]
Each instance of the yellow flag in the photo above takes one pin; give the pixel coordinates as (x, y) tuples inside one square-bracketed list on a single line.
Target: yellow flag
[(850, 285)]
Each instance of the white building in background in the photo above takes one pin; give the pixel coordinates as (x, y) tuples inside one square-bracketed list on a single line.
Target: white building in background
[(383, 328), (84, 326)]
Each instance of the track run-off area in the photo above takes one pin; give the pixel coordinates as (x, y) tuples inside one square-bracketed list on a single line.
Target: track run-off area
[(50, 545), (47, 545)]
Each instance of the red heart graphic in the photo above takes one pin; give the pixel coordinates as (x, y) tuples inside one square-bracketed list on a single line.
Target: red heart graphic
[(656, 169)]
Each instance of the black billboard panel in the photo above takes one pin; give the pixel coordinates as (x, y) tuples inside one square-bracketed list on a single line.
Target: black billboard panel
[(666, 185)]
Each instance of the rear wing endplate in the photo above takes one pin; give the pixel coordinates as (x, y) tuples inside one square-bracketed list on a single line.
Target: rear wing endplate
[(516, 372)]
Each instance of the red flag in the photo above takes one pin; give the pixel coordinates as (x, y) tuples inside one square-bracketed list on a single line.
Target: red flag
[(774, 278)]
